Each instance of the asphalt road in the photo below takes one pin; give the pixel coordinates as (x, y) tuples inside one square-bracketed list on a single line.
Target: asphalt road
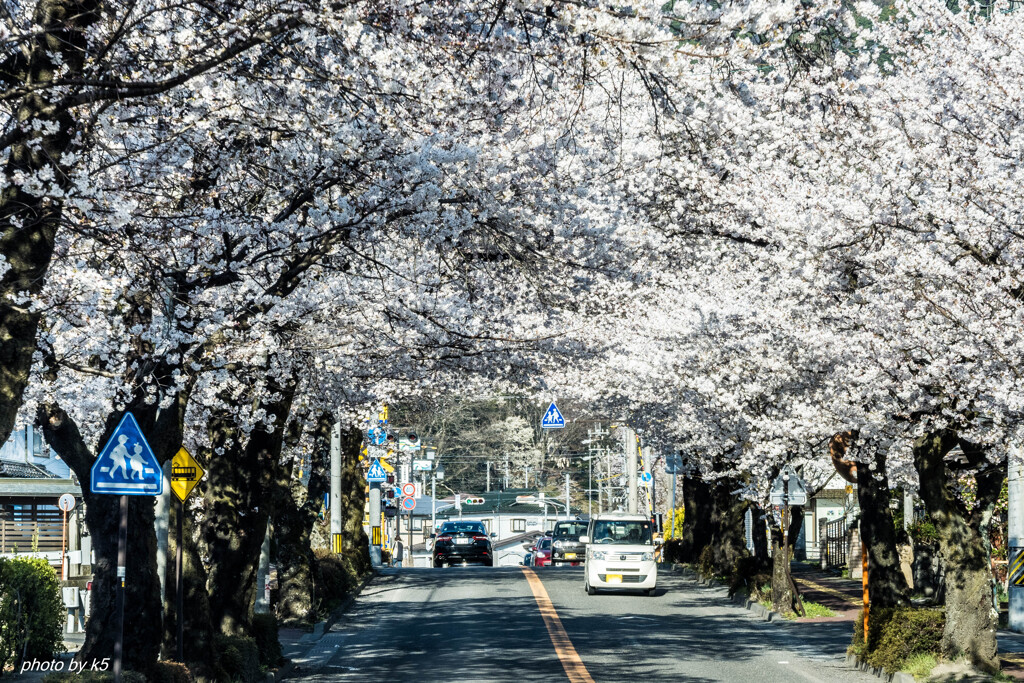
[(483, 624)]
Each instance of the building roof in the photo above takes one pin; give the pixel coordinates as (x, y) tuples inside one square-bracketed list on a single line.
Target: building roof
[(22, 470)]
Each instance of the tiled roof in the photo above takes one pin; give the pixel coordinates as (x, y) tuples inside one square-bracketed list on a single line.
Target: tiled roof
[(22, 470)]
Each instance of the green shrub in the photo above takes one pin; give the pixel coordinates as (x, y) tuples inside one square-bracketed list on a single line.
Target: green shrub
[(171, 672), (706, 562), (264, 632), (335, 578), (89, 676), (898, 634), (31, 611), (238, 659)]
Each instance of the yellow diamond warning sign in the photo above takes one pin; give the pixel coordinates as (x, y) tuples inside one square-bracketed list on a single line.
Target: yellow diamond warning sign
[(185, 474)]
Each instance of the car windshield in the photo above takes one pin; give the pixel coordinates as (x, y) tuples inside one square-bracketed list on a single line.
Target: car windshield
[(622, 532), (455, 527), (545, 544), (574, 529)]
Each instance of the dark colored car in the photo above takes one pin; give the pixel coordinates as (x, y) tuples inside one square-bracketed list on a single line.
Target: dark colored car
[(542, 552), (566, 546), (461, 543)]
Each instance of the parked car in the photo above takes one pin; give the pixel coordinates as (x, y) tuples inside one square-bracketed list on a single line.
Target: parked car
[(542, 552), (462, 542), (566, 547), (620, 554), (527, 559)]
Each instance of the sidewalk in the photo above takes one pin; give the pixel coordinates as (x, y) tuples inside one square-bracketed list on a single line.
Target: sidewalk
[(845, 596)]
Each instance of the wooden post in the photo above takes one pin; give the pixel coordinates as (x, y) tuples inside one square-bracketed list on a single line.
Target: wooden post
[(864, 583)]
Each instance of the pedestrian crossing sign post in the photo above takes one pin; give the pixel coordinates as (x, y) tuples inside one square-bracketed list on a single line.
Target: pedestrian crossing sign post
[(552, 418), (1016, 574), (376, 473), (126, 466)]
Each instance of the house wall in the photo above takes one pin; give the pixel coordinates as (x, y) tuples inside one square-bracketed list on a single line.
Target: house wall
[(27, 445)]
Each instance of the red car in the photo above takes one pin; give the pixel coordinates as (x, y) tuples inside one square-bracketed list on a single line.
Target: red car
[(542, 552)]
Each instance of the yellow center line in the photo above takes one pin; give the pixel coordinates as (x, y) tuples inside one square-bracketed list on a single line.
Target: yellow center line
[(571, 661)]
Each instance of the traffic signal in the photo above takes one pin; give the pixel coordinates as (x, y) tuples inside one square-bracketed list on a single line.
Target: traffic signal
[(390, 493), (391, 479)]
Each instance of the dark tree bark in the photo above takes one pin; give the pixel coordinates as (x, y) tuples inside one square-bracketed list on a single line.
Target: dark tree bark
[(698, 507), (29, 223), (785, 594), (198, 645), (355, 544), (294, 518), (887, 585), (728, 541), (963, 542), (240, 496), (760, 531)]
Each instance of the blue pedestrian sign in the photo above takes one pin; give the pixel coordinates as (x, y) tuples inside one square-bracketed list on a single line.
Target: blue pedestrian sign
[(646, 478), (376, 473), (126, 465), (553, 418)]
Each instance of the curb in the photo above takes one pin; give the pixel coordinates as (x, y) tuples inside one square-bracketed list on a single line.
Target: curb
[(322, 627), (852, 661)]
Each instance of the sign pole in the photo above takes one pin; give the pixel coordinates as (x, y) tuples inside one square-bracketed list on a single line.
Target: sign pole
[(63, 544), (179, 586), (122, 542)]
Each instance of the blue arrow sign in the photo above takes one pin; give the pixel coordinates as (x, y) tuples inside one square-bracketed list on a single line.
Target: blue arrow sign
[(646, 477), (377, 436), (376, 473), (552, 418), (126, 465)]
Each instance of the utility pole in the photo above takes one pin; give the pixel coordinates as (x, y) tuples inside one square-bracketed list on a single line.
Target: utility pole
[(506, 472), (631, 469), (336, 521), (567, 515), (1015, 531), (526, 475), (488, 475)]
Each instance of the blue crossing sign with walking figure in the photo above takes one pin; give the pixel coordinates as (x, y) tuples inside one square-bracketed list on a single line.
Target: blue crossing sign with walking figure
[(126, 466), (376, 473), (552, 418)]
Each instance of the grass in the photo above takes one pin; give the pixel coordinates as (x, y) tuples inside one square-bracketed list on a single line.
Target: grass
[(920, 665), (813, 609)]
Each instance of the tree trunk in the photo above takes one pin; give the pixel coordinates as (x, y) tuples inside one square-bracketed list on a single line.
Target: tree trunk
[(28, 223), (785, 596), (971, 619), (198, 645), (760, 533), (728, 541), (240, 497), (294, 518), (698, 506), (887, 586), (355, 544)]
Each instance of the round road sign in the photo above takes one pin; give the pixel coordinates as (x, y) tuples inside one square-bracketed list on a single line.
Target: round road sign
[(409, 503), (409, 489), (66, 502)]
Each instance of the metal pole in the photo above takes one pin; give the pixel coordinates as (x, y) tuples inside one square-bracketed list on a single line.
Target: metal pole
[(631, 471), (336, 521), (122, 553), (179, 600), (63, 543), (433, 502), (488, 476), (590, 486), (1015, 532), (567, 495), (375, 521), (673, 523)]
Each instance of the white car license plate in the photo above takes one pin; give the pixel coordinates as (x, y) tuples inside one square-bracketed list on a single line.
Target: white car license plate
[(461, 541)]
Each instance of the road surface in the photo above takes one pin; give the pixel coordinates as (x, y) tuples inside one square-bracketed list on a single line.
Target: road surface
[(484, 624)]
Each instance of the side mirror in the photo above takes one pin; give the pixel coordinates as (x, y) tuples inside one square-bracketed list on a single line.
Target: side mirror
[(584, 539), (433, 535), (494, 534)]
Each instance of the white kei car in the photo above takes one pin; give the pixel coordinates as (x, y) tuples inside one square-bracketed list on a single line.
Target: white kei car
[(620, 553)]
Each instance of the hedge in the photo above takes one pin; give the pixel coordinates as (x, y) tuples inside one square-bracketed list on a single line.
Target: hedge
[(31, 611), (895, 634)]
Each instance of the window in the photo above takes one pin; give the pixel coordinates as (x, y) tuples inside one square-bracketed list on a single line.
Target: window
[(622, 532), (518, 525), (417, 523)]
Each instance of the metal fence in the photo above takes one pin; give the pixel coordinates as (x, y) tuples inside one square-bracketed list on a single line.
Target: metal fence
[(834, 543)]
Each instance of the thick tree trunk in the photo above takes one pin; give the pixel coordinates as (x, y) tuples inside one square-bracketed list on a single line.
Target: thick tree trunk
[(28, 223), (698, 506), (728, 541), (887, 586), (785, 595), (355, 544), (198, 643), (240, 496), (971, 619), (294, 518), (760, 532)]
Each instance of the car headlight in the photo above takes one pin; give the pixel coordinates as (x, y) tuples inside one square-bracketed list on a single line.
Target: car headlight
[(598, 554), (558, 544), (647, 557)]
